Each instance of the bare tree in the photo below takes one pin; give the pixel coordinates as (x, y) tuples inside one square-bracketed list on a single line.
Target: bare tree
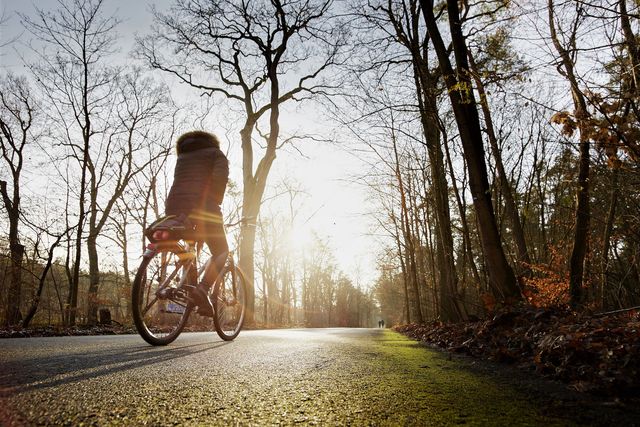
[(511, 208), (107, 117), (140, 197), (18, 110), (42, 277), (141, 109), (318, 284), (458, 81), (3, 20), (582, 210), (277, 254), (258, 54), (78, 83), (404, 17)]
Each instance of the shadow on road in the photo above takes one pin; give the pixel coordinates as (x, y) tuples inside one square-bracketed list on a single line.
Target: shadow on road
[(32, 373)]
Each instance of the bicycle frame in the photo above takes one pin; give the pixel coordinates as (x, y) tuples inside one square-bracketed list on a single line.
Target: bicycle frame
[(188, 248)]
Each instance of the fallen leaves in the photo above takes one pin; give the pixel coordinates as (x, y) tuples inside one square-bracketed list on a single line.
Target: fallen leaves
[(60, 331), (595, 354)]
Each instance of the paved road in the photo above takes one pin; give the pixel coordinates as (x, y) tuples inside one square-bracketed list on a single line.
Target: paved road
[(274, 377)]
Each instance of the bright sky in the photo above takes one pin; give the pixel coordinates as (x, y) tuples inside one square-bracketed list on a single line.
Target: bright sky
[(335, 206)]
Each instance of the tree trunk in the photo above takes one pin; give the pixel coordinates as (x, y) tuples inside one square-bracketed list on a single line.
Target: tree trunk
[(13, 315), (407, 31), (94, 279), (414, 232), (74, 285), (72, 302), (246, 262), (524, 261), (582, 212), (125, 268), (607, 237), (502, 280), (403, 269), (408, 238), (631, 43), (16, 252), (466, 234), (544, 243), (265, 298), (433, 264), (254, 186), (41, 282), (448, 281)]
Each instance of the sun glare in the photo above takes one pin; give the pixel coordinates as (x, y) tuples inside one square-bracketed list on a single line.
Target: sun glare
[(329, 209), (299, 238)]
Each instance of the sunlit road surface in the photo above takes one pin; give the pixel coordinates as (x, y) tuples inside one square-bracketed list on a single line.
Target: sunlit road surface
[(273, 377)]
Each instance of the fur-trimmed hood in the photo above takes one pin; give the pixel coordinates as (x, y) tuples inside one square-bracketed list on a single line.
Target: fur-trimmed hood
[(196, 140)]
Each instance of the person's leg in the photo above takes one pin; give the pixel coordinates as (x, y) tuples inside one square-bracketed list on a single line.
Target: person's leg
[(211, 231), (219, 248)]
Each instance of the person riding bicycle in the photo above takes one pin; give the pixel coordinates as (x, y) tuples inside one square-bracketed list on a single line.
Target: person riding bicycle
[(199, 183)]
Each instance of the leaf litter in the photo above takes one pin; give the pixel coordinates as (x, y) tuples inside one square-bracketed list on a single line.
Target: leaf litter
[(596, 354)]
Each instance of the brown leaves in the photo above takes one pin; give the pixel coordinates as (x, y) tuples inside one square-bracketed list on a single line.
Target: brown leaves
[(546, 288), (564, 118), (488, 301), (603, 352), (596, 354), (611, 128)]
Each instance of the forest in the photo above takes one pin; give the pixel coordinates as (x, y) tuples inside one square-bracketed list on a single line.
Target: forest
[(501, 141)]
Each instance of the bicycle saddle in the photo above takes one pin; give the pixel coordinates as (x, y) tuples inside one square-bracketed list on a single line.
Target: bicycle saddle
[(170, 227)]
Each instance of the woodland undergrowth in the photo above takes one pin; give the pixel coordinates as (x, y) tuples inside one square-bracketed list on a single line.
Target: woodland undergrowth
[(592, 353)]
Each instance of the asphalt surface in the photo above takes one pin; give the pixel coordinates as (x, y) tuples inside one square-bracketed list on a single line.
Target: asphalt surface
[(272, 377)]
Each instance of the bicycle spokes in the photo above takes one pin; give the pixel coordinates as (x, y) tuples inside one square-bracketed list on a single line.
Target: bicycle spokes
[(160, 305), (230, 302)]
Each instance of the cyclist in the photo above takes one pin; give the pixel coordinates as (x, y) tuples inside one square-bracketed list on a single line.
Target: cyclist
[(199, 182)]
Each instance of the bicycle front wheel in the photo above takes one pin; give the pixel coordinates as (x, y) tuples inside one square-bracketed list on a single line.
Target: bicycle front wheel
[(230, 302), (160, 306)]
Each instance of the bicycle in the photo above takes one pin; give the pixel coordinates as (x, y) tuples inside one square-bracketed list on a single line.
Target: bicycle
[(161, 301)]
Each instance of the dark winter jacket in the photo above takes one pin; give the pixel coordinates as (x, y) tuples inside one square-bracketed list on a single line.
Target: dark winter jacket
[(200, 178)]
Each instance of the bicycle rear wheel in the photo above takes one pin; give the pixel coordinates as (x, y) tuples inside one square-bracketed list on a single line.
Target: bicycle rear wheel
[(160, 305), (230, 302)]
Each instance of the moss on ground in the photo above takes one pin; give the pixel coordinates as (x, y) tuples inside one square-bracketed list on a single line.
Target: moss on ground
[(450, 392)]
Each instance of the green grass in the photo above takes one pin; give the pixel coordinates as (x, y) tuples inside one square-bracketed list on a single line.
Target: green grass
[(448, 392)]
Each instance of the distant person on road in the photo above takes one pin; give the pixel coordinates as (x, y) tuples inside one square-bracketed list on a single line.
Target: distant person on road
[(382, 323), (199, 183)]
